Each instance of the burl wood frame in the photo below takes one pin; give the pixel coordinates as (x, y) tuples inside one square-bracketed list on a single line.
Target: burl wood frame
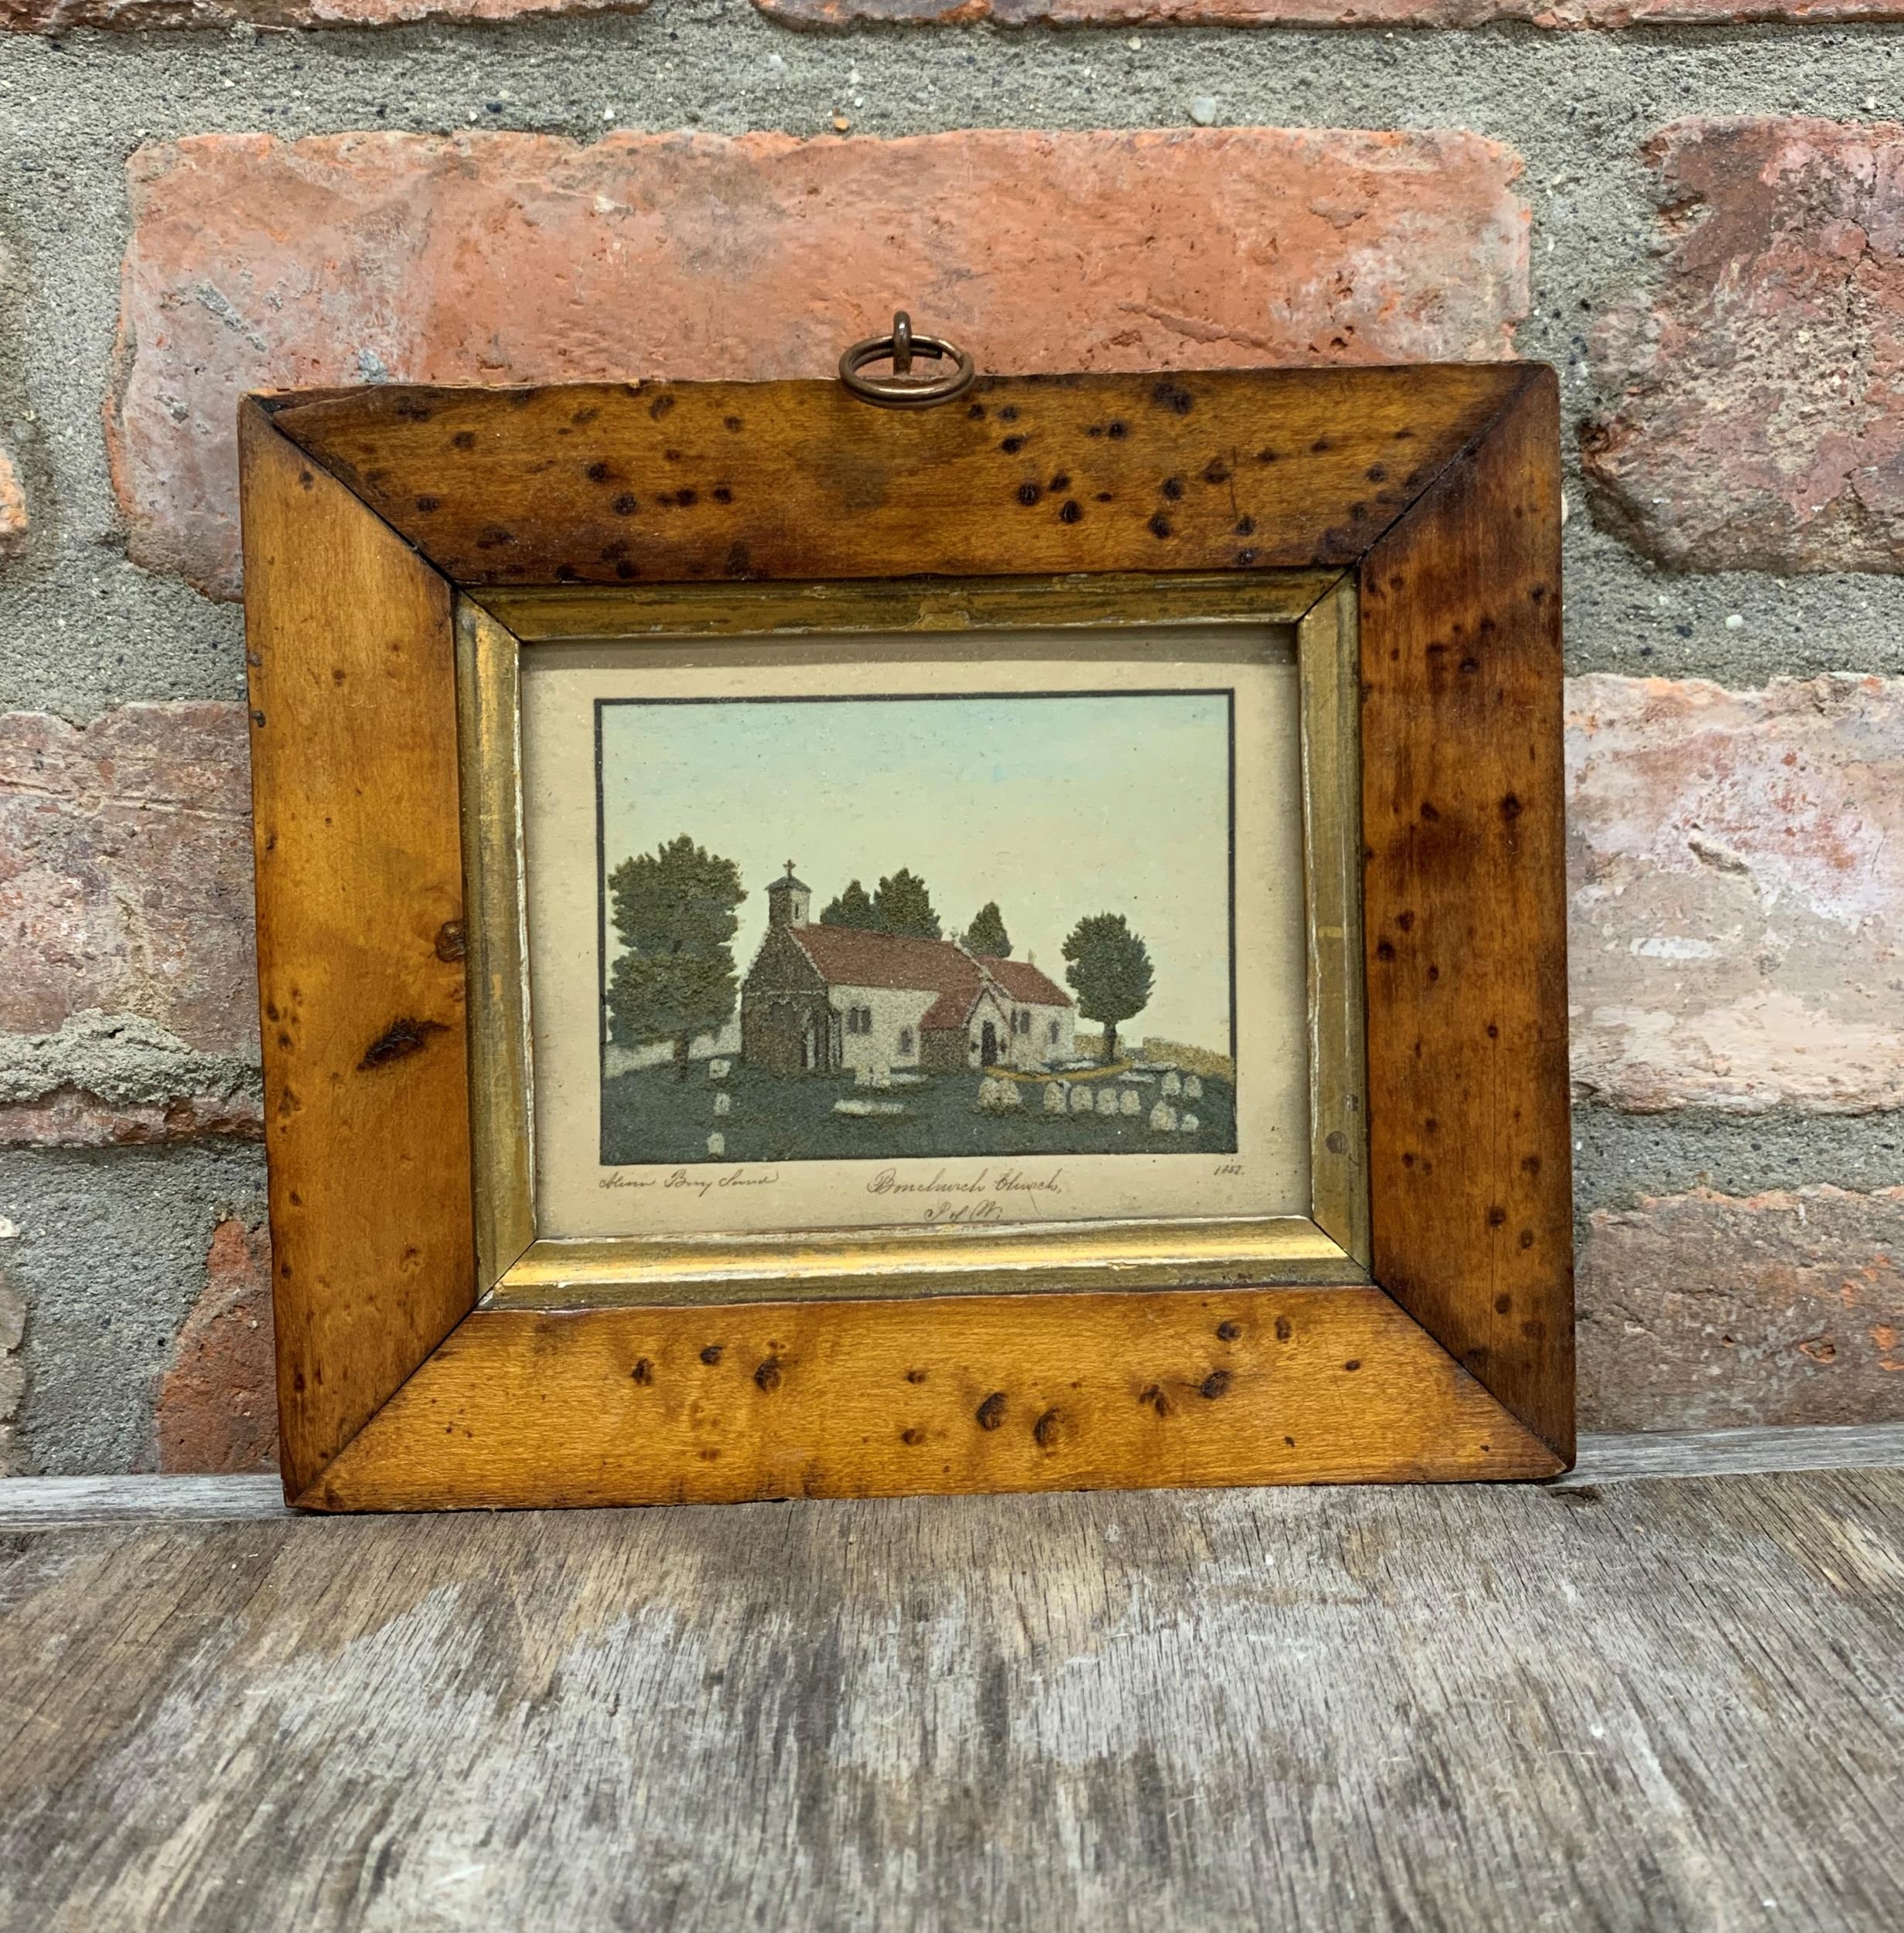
[(1406, 519)]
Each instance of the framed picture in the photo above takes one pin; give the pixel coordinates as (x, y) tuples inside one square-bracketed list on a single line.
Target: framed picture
[(807, 948)]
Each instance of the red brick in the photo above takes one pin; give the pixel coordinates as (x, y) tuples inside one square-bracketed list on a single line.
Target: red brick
[(217, 1407), (1736, 869), (1708, 1311), (12, 510), (1759, 418), (513, 258), (125, 16), (125, 872), (71, 1116)]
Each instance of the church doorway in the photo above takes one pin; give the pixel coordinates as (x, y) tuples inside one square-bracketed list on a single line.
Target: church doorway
[(988, 1046)]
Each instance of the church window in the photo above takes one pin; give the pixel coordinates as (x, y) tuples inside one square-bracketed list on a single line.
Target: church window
[(906, 1042)]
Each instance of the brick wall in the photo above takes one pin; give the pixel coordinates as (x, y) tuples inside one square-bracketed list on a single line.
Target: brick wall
[(198, 198)]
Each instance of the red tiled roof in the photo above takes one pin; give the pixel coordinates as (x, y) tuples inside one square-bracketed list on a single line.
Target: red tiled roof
[(847, 956), (1022, 980)]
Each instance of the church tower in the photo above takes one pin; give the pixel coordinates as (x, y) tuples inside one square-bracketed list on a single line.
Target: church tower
[(788, 901)]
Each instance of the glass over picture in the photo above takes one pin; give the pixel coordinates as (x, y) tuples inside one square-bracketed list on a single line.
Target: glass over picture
[(983, 924)]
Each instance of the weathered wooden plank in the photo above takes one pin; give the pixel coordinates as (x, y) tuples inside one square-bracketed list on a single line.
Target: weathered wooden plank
[(31, 1502), (1006, 1392), (1492, 1708), (360, 945), (1464, 915), (1612, 1458), (659, 481)]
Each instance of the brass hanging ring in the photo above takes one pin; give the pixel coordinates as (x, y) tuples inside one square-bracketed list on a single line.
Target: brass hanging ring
[(902, 389)]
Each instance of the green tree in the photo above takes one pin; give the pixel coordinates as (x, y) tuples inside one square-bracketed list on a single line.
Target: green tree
[(853, 907), (1110, 971), (902, 905), (987, 934), (674, 908)]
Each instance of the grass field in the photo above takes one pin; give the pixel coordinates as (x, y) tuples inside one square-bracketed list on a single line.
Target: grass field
[(650, 1118)]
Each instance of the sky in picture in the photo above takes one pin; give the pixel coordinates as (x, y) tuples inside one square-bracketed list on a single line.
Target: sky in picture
[(1056, 807)]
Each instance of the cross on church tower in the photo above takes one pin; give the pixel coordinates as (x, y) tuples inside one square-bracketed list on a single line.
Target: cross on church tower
[(788, 901)]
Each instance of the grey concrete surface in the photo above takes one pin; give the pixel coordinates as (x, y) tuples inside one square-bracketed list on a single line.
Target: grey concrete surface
[(116, 1239), (109, 1255)]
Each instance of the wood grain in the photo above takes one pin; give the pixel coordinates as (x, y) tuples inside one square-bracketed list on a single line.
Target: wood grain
[(1465, 915), (1491, 1708), (882, 1399), (359, 943), (661, 482)]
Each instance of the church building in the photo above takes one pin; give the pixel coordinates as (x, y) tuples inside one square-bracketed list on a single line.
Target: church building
[(835, 999)]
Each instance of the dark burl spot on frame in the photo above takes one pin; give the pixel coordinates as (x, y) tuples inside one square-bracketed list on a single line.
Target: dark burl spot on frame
[(451, 941), (1353, 1364), (1029, 494), (1172, 488), (1503, 1304), (914, 1437), (624, 505), (1116, 431), (1510, 807), (1012, 445), (427, 504), (463, 440), (1061, 482), (1156, 1398), (731, 424), (1070, 510), (1174, 397), (767, 1377), (722, 494), (1497, 1217), (598, 472), (643, 1372), (1284, 1328), (1045, 1429), (1228, 1331), (711, 1354), (399, 1040), (1159, 525), (915, 1375), (1008, 414), (1216, 471), (1214, 1384), (1384, 949), (660, 406), (990, 1412)]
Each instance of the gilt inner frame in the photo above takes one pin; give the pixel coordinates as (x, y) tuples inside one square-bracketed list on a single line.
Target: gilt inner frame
[(517, 1269)]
